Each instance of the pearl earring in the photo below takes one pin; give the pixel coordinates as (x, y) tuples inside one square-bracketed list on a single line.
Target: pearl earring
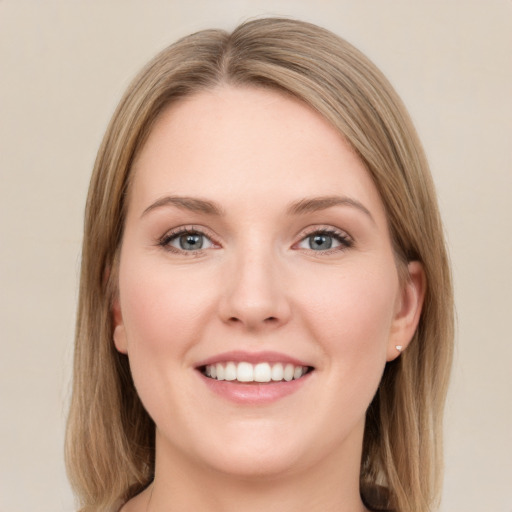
[(399, 348)]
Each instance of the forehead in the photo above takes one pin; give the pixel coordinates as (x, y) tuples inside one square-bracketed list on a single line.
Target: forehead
[(247, 142)]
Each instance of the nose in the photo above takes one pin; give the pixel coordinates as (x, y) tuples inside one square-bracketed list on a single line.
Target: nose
[(254, 294)]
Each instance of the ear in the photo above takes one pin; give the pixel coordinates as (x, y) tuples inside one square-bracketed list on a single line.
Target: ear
[(119, 330), (408, 310)]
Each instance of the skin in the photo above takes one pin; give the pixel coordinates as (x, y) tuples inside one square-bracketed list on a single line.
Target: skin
[(257, 284)]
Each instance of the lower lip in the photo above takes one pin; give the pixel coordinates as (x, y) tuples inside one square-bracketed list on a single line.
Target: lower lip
[(254, 393)]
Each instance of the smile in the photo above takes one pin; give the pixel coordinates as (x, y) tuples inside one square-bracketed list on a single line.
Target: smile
[(261, 372), (254, 378)]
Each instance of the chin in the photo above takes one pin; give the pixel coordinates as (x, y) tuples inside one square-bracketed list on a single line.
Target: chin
[(255, 450), (247, 464), (268, 450)]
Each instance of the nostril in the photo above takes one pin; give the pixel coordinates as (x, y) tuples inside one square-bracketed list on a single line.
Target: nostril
[(268, 320)]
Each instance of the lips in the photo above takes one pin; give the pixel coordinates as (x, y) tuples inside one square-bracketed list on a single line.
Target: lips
[(239, 356), (254, 378)]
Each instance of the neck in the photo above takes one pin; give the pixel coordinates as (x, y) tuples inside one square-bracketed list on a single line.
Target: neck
[(331, 485)]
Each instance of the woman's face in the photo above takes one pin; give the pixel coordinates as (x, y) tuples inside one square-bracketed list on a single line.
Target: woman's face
[(256, 250)]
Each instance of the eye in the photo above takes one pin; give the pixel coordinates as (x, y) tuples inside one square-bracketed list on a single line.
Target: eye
[(325, 240), (186, 240)]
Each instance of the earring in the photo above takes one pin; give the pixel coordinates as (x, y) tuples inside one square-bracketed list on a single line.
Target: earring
[(399, 348)]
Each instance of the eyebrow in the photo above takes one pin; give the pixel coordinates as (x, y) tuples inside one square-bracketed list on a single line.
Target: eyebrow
[(315, 204), (193, 204), (301, 207)]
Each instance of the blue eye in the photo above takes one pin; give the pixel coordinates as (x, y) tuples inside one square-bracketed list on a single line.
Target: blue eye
[(186, 241), (320, 242), (325, 241), (190, 242)]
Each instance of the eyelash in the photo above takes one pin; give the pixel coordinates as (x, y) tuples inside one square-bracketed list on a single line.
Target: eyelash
[(166, 240), (345, 241)]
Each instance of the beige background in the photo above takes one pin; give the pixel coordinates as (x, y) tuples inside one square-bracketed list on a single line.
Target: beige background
[(63, 67)]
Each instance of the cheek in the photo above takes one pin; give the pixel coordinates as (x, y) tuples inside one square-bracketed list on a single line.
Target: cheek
[(164, 313), (352, 324), (351, 314), (162, 309)]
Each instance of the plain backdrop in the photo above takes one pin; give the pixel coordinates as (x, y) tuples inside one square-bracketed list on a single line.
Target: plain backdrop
[(63, 67)]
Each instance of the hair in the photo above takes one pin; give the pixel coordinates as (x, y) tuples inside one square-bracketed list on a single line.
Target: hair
[(110, 449)]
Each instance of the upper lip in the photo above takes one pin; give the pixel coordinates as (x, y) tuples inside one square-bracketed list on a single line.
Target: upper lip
[(239, 356)]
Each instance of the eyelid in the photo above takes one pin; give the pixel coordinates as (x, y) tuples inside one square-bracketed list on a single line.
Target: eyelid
[(169, 235), (343, 236), (345, 239), (324, 228)]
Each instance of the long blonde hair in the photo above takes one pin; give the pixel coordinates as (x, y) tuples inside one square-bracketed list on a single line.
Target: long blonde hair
[(110, 438)]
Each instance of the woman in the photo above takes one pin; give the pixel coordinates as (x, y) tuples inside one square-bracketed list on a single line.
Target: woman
[(265, 314)]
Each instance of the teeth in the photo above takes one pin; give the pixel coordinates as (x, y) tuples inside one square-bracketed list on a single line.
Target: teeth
[(261, 372), (244, 372), (230, 372), (277, 372), (288, 372)]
